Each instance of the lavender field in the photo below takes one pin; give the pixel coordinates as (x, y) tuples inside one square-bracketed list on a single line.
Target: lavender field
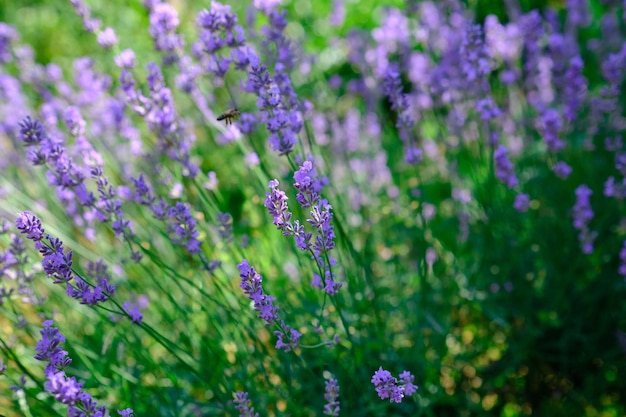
[(300, 208)]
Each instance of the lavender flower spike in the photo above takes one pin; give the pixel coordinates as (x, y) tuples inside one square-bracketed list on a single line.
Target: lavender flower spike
[(389, 387), (66, 390), (331, 408), (244, 405), (57, 264), (504, 167)]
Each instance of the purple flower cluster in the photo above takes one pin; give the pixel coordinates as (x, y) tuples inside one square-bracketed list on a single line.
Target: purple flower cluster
[(521, 202), (251, 284), (219, 31), (57, 264), (331, 395), (504, 168), (163, 24), (613, 188), (244, 405), (70, 178), (562, 170), (309, 187), (282, 123), (388, 386), (64, 389), (550, 126), (159, 112), (582, 214), (182, 228)]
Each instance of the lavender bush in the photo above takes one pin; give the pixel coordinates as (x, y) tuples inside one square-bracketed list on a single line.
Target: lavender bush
[(429, 191)]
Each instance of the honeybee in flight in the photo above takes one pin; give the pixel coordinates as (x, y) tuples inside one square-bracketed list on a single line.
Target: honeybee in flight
[(229, 116)]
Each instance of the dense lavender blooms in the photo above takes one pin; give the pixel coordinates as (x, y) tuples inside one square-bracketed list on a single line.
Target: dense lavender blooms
[(475, 58), (244, 405), (220, 31), (389, 387), (309, 187), (575, 88), (276, 204), (57, 264), (182, 228), (331, 395), (582, 214), (64, 389), (163, 24), (288, 338), (550, 126), (159, 111), (252, 287), (504, 168), (282, 123)]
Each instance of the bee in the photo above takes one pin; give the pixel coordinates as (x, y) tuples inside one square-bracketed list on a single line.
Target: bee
[(229, 116)]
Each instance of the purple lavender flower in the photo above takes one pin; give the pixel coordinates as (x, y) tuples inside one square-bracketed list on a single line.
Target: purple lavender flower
[(30, 226), (163, 24), (389, 387), (57, 264), (615, 189), (578, 14), (308, 184), (126, 59), (287, 338), (64, 389), (392, 88), (31, 132), (575, 88), (582, 214), (182, 228), (550, 126), (220, 31), (7, 35), (562, 170), (91, 25), (276, 204), (282, 118), (504, 168), (133, 311), (107, 38), (251, 286), (331, 395), (474, 55), (521, 202), (244, 405), (225, 227)]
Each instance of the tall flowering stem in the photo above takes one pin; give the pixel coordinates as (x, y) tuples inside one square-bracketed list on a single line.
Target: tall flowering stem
[(64, 389), (309, 187), (251, 284), (331, 395)]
